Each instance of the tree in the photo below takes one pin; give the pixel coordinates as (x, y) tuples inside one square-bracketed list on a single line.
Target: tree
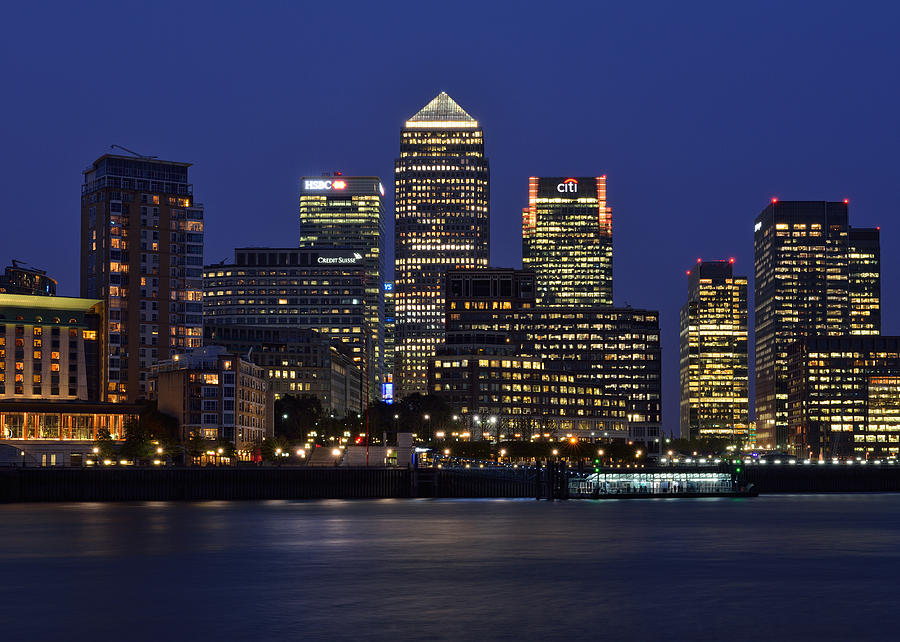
[(296, 416), (106, 447), (138, 443), (195, 446)]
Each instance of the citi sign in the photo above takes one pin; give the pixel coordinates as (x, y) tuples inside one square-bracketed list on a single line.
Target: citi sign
[(569, 185), (320, 185)]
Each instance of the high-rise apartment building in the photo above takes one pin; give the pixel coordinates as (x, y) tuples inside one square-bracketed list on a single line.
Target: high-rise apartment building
[(714, 375), (815, 277), (142, 254), (567, 241), (347, 212), (442, 192)]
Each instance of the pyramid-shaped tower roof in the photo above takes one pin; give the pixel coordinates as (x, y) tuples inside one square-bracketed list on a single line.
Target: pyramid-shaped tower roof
[(442, 111)]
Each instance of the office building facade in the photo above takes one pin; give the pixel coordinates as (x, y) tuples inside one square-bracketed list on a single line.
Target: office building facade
[(714, 375), (567, 241), (142, 254), (313, 289), (844, 397), (810, 282), (589, 359), (347, 212), (298, 362), (442, 193)]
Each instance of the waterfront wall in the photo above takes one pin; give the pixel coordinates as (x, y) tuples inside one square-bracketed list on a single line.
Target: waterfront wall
[(257, 483), (247, 483)]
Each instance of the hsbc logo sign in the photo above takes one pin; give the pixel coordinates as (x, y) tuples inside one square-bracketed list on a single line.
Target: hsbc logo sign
[(324, 185), (570, 186)]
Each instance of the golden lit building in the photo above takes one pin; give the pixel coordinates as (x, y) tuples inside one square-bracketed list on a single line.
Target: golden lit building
[(347, 212), (142, 254), (442, 192), (567, 241), (714, 376), (815, 277), (844, 397)]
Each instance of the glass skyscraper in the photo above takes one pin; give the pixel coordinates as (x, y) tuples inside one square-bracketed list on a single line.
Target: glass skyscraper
[(714, 379), (442, 192), (815, 277), (347, 212), (567, 241)]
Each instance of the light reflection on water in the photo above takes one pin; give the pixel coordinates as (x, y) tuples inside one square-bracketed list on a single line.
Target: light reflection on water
[(799, 566)]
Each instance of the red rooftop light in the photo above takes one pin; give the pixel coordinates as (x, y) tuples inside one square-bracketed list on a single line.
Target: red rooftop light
[(731, 260), (688, 272), (846, 201), (774, 200), (699, 260)]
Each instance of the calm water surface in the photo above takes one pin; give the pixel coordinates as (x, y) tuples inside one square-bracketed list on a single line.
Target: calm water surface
[(780, 567)]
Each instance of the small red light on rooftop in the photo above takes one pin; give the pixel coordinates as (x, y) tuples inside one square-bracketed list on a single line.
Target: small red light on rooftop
[(731, 260), (878, 227), (688, 272), (774, 200), (846, 201), (699, 260)]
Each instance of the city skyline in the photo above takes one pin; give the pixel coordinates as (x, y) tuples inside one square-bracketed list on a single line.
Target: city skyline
[(669, 209)]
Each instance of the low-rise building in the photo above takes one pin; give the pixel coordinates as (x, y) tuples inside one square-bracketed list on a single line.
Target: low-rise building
[(216, 394)]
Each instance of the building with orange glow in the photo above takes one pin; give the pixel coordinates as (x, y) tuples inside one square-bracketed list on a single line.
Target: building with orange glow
[(714, 375), (567, 241)]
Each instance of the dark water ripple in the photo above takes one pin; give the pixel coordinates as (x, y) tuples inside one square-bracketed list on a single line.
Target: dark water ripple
[(778, 567)]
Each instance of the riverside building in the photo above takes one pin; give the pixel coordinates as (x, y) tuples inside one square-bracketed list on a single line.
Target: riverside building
[(815, 277), (347, 212), (215, 394), (142, 254), (714, 376), (52, 380), (567, 241), (844, 397), (442, 188)]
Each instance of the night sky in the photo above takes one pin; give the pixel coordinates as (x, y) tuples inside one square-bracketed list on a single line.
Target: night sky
[(698, 114)]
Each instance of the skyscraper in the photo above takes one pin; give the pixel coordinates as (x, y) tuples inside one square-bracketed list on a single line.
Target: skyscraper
[(442, 222), (347, 212), (714, 379), (811, 281), (567, 241), (142, 254), (865, 280), (387, 379)]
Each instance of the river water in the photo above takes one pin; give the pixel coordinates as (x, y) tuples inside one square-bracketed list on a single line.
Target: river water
[(780, 567)]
